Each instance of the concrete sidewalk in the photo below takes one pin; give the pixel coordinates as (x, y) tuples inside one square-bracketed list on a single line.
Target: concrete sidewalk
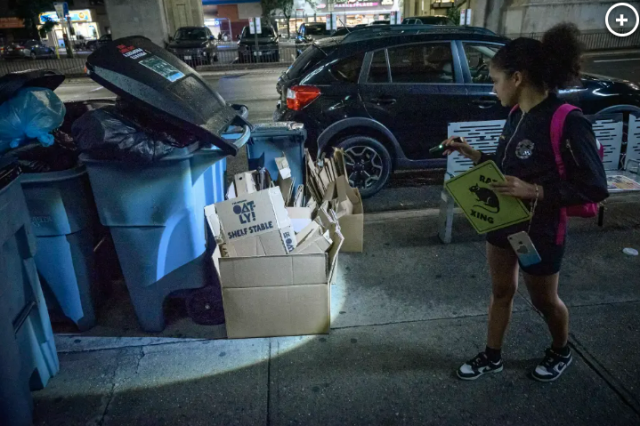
[(407, 313)]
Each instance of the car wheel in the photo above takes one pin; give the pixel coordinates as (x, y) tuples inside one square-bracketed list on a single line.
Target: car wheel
[(368, 163)]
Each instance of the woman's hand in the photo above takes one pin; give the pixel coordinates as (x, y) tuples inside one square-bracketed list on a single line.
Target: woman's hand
[(456, 143), (517, 188)]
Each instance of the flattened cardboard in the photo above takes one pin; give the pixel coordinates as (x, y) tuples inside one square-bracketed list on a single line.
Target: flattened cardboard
[(286, 188), (213, 223), (309, 230), (244, 183), (277, 311), (231, 191), (315, 244), (299, 196), (284, 172), (300, 217), (252, 214), (351, 224)]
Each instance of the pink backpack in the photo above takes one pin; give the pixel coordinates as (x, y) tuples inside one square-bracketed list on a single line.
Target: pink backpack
[(557, 128)]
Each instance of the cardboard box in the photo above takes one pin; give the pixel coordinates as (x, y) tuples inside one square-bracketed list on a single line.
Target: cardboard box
[(278, 295), (278, 242), (253, 214)]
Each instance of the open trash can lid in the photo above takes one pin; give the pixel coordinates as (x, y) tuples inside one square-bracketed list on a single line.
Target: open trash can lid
[(150, 77), (9, 171), (11, 83)]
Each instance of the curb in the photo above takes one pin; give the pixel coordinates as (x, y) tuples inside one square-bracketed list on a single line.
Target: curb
[(610, 52)]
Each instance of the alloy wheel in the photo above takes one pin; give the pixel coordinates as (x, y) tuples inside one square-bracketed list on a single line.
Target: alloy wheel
[(364, 166)]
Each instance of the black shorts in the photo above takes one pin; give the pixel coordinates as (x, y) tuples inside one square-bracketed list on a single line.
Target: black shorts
[(550, 253)]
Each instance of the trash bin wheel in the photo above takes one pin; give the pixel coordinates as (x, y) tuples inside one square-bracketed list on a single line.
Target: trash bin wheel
[(368, 162), (204, 306)]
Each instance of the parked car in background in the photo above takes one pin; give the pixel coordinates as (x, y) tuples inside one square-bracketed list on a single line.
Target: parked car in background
[(428, 20), (194, 45), (33, 49), (313, 32), (382, 22), (387, 96), (267, 50), (96, 44)]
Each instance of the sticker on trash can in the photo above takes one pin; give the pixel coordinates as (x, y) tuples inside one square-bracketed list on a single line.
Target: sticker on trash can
[(162, 67), (486, 209)]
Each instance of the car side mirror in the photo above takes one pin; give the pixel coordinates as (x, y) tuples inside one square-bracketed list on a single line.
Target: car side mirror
[(170, 38), (237, 36), (212, 38)]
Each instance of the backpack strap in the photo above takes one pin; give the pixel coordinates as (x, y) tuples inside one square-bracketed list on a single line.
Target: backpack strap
[(514, 109), (557, 129)]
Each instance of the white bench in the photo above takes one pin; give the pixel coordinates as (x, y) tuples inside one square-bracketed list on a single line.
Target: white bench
[(484, 135)]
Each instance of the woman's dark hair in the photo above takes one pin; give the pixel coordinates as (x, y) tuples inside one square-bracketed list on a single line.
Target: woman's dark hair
[(552, 63)]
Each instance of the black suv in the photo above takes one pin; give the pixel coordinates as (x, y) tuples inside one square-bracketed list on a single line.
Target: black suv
[(387, 94), (268, 48), (194, 46)]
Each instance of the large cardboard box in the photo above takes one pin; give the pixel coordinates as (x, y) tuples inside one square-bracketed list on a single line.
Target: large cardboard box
[(278, 295)]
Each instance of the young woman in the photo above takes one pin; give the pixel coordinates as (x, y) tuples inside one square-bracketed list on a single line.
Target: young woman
[(528, 73)]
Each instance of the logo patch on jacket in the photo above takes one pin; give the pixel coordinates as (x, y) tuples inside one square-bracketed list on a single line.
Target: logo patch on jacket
[(524, 149)]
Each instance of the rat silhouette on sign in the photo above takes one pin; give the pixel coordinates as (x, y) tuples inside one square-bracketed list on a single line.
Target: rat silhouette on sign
[(487, 197)]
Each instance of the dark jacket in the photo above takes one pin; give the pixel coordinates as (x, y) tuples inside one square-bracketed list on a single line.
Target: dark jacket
[(525, 151)]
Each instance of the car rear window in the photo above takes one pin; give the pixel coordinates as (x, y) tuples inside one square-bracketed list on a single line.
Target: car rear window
[(346, 70), (306, 61), (426, 63)]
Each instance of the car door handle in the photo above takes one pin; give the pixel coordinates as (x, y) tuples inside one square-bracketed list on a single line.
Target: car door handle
[(484, 103), (385, 100)]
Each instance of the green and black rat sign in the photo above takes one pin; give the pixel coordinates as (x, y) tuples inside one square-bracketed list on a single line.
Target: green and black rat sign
[(486, 209)]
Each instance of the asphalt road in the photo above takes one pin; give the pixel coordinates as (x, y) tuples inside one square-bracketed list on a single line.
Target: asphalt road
[(408, 190)]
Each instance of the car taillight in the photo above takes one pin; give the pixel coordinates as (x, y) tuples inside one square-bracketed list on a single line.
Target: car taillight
[(299, 97)]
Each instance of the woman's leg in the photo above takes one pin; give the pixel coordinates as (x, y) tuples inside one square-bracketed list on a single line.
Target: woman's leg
[(544, 295), (543, 291), (503, 266)]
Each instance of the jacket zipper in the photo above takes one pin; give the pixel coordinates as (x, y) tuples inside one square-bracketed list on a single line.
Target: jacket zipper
[(568, 145), (506, 150)]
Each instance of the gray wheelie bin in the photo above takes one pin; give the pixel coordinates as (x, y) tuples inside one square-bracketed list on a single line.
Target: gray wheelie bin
[(28, 357)]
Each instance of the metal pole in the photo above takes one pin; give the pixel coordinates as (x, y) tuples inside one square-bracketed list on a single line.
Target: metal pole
[(255, 24), (67, 41)]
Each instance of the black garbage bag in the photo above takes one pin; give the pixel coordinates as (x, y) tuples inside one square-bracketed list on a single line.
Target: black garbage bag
[(35, 158), (160, 130), (106, 134)]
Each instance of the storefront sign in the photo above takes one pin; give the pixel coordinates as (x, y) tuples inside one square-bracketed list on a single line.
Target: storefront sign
[(83, 15), (62, 9), (354, 3), (11, 23)]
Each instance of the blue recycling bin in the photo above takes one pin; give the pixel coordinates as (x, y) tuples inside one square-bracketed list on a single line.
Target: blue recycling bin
[(64, 219), (272, 140), (155, 213), (28, 357)]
